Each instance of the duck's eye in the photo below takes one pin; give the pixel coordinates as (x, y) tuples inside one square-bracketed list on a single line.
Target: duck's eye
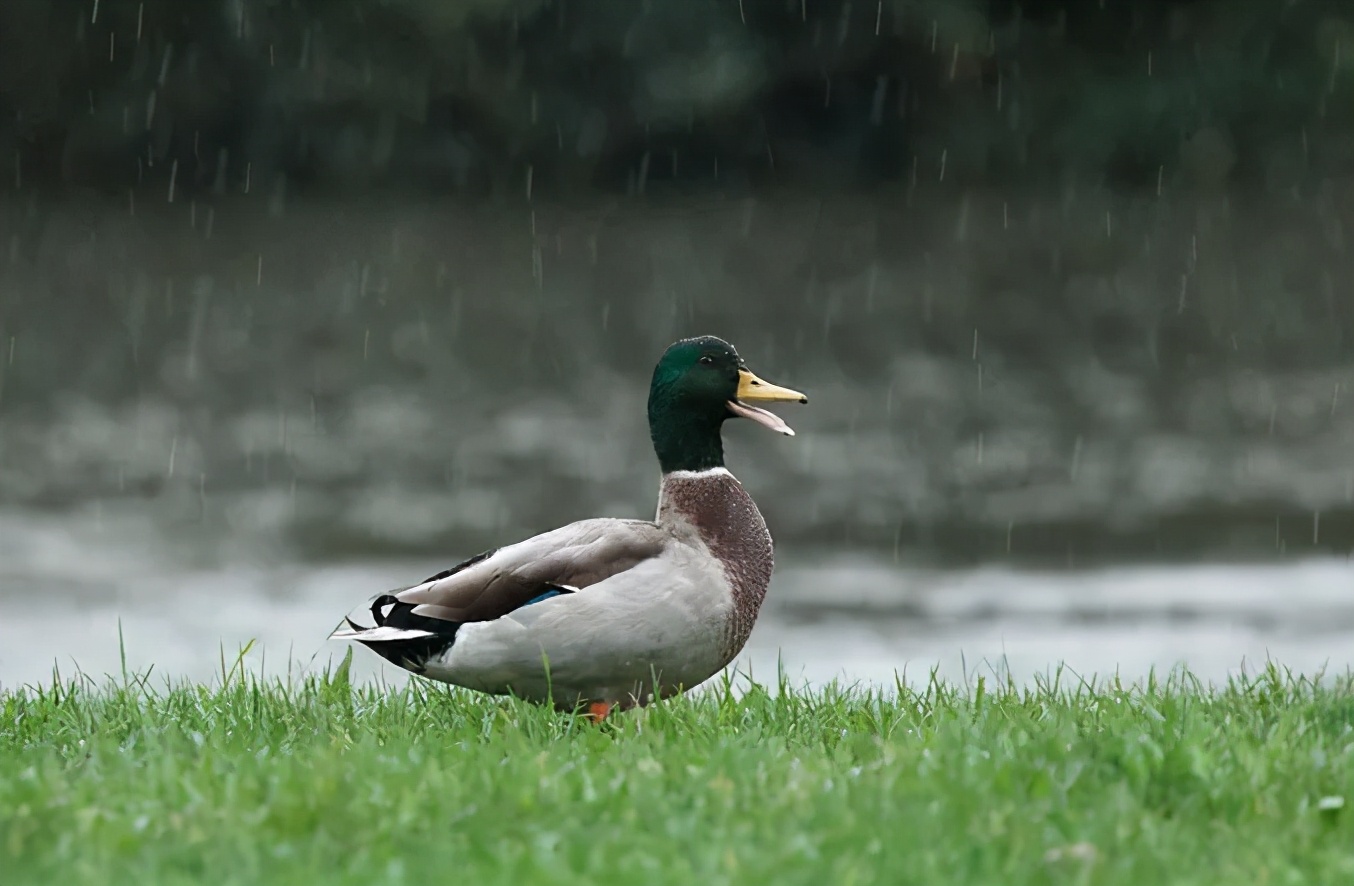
[(707, 360)]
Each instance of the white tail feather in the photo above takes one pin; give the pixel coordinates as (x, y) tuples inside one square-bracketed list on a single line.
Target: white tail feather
[(379, 635)]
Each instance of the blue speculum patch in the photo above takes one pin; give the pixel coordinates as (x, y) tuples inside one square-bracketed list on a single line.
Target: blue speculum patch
[(546, 596)]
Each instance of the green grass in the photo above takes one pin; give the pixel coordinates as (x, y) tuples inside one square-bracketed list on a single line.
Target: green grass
[(254, 781)]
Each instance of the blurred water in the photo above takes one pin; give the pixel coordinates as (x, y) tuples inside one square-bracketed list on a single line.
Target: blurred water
[(411, 379), (388, 288), (76, 592)]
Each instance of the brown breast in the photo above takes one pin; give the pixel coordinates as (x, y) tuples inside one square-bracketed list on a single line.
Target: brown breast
[(727, 520)]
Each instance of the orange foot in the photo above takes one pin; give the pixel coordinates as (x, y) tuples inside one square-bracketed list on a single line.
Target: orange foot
[(598, 710)]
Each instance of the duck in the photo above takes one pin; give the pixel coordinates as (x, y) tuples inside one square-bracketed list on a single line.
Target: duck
[(609, 614)]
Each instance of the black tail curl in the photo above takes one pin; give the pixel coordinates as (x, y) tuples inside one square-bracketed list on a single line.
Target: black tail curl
[(411, 654)]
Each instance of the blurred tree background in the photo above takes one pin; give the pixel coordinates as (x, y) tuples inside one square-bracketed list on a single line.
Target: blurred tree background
[(1067, 278)]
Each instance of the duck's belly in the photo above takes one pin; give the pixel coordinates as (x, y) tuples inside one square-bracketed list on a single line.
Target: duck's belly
[(621, 643)]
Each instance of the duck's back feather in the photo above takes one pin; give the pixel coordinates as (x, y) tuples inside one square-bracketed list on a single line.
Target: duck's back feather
[(572, 557), (410, 626)]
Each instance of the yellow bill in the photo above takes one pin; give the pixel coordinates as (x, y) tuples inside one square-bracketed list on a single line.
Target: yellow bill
[(752, 388)]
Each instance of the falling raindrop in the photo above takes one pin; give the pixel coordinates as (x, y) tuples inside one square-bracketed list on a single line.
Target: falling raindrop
[(165, 61), (877, 103)]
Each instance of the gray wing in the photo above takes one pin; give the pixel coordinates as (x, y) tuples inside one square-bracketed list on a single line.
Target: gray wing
[(495, 583)]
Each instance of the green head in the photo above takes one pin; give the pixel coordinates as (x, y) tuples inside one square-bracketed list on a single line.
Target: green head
[(697, 384)]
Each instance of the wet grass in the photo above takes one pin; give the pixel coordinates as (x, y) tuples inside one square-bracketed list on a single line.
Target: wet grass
[(256, 781)]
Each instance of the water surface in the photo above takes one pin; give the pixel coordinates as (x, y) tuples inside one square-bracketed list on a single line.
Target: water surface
[(80, 591)]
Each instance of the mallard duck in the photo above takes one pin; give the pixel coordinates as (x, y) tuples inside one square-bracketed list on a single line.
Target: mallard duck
[(606, 614)]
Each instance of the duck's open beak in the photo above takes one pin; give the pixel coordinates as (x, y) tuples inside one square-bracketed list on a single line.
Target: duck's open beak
[(750, 387)]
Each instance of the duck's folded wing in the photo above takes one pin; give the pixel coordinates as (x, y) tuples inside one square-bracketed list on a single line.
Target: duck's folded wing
[(495, 583)]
